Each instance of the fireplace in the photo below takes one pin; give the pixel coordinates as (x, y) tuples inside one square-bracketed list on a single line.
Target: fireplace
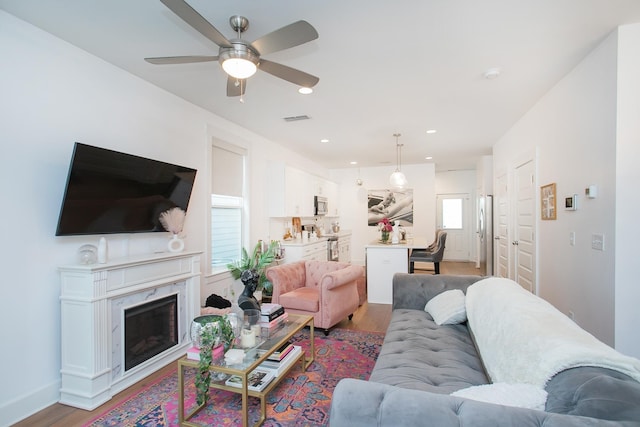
[(124, 320), (149, 329)]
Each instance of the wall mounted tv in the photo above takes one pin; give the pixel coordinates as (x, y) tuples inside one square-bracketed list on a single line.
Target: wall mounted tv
[(112, 192)]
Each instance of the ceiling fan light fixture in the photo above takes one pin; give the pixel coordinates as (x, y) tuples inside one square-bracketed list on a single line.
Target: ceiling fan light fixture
[(238, 61), (305, 90), (239, 68)]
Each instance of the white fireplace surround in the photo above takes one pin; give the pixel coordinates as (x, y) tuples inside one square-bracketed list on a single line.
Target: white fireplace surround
[(93, 299)]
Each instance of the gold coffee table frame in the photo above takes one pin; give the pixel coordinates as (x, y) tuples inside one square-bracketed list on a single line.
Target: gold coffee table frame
[(294, 323)]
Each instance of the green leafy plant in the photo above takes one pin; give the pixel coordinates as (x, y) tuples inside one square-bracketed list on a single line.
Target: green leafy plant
[(257, 263), (215, 329)]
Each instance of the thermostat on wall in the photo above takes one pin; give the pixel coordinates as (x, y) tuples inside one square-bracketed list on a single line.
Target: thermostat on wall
[(571, 203)]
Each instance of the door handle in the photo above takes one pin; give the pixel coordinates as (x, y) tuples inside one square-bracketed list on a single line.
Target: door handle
[(496, 238), (515, 243)]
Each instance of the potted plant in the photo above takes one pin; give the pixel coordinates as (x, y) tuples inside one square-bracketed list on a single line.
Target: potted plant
[(213, 330), (251, 271)]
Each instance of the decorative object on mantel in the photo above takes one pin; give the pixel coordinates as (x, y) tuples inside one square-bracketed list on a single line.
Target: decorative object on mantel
[(397, 179), (88, 254), (173, 220), (102, 251), (250, 270), (385, 228)]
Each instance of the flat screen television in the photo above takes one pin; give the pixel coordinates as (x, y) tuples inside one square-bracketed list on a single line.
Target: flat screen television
[(111, 192)]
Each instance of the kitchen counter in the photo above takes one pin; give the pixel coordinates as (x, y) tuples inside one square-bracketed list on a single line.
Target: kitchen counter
[(415, 243), (383, 260)]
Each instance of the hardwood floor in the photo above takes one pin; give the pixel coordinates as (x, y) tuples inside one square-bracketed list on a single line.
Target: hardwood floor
[(368, 317)]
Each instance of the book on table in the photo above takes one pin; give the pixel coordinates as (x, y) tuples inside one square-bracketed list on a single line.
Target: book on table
[(275, 322), (193, 353), (269, 307), (271, 314), (257, 380), (279, 353), (279, 367)]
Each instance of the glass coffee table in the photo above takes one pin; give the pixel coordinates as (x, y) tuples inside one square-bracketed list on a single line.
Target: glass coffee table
[(253, 358)]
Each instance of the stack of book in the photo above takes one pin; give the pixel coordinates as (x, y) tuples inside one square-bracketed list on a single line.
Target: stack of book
[(282, 358), (272, 316), (257, 380), (193, 353)]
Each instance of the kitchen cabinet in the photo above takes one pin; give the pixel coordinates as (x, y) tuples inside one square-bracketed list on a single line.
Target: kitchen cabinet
[(290, 193), (344, 248), (316, 251)]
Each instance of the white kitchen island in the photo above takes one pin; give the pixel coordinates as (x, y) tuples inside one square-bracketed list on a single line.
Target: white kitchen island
[(383, 261)]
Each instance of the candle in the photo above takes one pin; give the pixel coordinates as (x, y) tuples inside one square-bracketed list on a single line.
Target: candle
[(247, 338)]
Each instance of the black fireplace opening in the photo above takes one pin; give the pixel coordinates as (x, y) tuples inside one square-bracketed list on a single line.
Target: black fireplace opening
[(150, 329)]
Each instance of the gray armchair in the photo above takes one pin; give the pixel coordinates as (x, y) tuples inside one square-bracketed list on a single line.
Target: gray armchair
[(424, 255)]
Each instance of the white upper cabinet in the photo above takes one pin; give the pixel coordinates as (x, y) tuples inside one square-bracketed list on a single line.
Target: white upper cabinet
[(292, 191)]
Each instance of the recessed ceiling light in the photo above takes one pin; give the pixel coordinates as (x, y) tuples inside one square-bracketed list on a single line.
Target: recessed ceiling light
[(353, 162), (429, 158), (432, 131), (324, 140), (491, 73), (305, 90)]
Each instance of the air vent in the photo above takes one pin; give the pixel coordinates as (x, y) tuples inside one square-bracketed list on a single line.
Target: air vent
[(296, 118)]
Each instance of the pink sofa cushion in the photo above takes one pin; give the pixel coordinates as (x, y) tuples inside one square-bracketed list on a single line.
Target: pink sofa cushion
[(305, 299)]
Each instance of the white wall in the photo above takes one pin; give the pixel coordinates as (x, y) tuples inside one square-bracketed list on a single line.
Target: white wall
[(574, 129), (353, 202), (54, 94), (627, 293)]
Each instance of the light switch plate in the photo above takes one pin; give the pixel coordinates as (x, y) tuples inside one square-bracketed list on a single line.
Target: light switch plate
[(597, 242)]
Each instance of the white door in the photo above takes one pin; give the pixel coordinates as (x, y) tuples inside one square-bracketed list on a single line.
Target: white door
[(502, 243), (453, 216), (524, 241)]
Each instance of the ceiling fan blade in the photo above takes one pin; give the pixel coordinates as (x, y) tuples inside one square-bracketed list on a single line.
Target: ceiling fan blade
[(288, 36), (193, 18), (234, 89), (180, 59), (289, 74)]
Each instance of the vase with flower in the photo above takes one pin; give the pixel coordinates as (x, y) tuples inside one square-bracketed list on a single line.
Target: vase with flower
[(173, 221), (385, 228)]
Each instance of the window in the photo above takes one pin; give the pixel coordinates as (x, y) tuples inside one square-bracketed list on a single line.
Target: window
[(452, 213), (227, 205)]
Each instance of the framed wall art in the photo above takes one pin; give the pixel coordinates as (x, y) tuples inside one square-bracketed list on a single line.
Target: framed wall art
[(548, 201)]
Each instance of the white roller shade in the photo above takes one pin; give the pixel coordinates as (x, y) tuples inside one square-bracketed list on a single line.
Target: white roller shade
[(227, 172)]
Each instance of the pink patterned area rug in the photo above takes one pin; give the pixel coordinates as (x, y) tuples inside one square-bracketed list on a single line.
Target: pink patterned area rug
[(301, 399)]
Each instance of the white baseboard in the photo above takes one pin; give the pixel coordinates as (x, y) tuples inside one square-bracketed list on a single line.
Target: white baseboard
[(28, 404)]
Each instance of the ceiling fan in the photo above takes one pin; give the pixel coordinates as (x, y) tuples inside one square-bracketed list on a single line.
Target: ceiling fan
[(239, 58)]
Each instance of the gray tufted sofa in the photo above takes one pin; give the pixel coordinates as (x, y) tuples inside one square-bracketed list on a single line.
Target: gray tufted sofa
[(421, 363)]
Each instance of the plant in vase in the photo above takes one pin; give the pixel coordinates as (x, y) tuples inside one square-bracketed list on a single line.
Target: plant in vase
[(385, 228), (173, 221), (250, 270), (213, 331)]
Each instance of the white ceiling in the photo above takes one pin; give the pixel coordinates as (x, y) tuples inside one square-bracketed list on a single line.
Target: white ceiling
[(384, 67)]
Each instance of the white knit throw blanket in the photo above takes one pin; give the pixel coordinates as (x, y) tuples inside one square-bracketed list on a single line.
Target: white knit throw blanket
[(524, 339)]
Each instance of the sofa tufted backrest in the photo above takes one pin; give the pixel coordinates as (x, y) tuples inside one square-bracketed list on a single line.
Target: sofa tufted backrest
[(314, 270)]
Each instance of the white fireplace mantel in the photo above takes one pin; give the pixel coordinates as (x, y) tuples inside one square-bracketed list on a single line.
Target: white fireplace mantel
[(92, 300)]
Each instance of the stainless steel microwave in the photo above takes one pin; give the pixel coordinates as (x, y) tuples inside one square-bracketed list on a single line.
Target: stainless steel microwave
[(321, 205)]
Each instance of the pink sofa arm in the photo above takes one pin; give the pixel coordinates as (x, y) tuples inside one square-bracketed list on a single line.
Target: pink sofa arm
[(342, 276)]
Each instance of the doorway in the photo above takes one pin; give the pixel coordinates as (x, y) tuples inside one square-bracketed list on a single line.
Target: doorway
[(453, 216)]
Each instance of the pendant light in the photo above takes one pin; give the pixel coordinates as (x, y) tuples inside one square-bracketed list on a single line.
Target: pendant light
[(397, 179)]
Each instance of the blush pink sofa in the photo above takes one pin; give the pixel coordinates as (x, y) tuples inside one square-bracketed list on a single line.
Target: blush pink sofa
[(325, 289)]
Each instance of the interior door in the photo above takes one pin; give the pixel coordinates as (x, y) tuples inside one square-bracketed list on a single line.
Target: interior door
[(453, 216), (502, 243), (524, 241)]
